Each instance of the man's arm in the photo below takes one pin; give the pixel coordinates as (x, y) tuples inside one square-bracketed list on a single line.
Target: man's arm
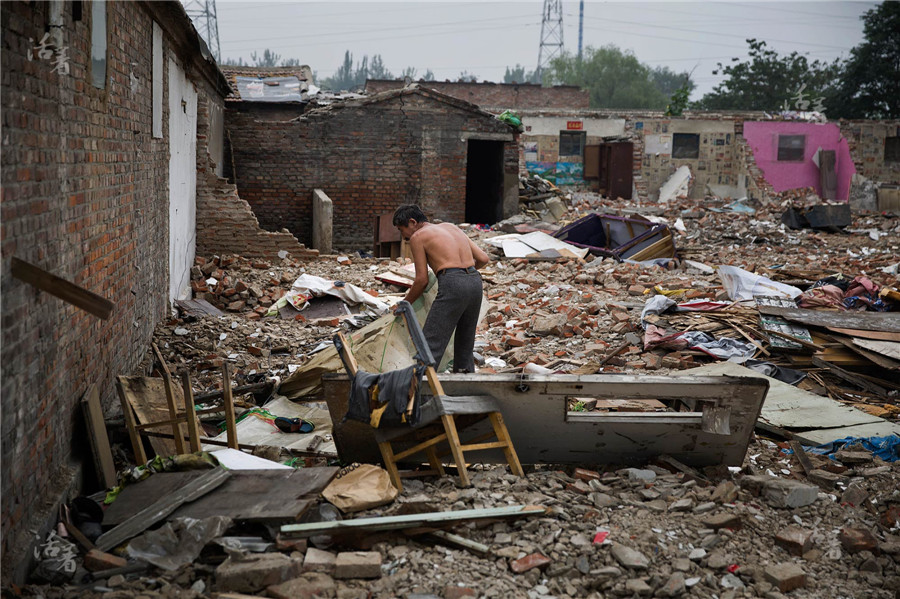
[(481, 258), (419, 259)]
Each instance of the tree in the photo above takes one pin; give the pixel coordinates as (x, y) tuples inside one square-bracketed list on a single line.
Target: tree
[(465, 77), (614, 78), (870, 80), (268, 59), (377, 69), (668, 81), (520, 75), (350, 77), (768, 81)]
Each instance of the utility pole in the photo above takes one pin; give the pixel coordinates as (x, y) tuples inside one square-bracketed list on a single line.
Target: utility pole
[(551, 35), (580, 26), (203, 15)]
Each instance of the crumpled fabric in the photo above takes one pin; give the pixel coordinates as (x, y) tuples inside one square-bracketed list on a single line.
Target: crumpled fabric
[(826, 296), (837, 280), (862, 294), (724, 348), (655, 336), (655, 305), (785, 375)]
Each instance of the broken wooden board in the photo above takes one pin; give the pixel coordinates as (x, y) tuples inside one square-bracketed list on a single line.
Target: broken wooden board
[(147, 397), (160, 509), (877, 335), (808, 417), (198, 308), (137, 496), (96, 428), (890, 349), (867, 321), (875, 357), (65, 290), (534, 410), (433, 519), (263, 495)]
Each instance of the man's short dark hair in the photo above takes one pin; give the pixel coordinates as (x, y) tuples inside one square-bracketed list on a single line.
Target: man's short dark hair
[(404, 213)]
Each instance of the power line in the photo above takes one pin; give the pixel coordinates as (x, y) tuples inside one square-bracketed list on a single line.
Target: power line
[(203, 15)]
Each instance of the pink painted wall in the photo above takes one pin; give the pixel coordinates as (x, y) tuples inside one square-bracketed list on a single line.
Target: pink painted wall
[(763, 140)]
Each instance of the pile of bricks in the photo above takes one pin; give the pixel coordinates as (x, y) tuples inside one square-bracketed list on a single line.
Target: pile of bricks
[(211, 282)]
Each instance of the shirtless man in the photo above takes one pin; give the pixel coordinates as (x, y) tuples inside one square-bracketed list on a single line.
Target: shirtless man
[(455, 259)]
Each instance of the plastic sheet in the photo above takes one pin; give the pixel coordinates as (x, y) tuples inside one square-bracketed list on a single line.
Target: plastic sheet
[(177, 543), (743, 285), (886, 448)]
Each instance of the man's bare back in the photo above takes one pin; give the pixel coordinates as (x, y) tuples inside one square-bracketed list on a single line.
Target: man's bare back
[(445, 246)]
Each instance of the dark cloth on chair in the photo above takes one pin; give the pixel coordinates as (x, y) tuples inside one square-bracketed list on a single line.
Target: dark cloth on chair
[(392, 388)]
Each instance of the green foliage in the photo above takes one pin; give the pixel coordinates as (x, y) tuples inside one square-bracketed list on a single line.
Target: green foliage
[(614, 78), (679, 100), (465, 77), (769, 81), (351, 77), (578, 406), (520, 75), (268, 59), (669, 82), (870, 79)]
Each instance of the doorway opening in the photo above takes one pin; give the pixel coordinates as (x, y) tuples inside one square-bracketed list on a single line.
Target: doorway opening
[(484, 182)]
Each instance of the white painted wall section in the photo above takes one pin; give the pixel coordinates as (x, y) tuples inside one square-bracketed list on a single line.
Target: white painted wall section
[(217, 133), (182, 181)]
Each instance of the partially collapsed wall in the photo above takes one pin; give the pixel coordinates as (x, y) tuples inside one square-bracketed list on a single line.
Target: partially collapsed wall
[(225, 222), (368, 156)]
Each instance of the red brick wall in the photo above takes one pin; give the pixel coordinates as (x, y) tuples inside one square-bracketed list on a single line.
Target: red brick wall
[(85, 196), (225, 222), (369, 157), (499, 95)]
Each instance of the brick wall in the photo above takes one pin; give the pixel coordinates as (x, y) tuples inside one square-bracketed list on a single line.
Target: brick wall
[(85, 196), (499, 95), (368, 156), (225, 222), (866, 141)]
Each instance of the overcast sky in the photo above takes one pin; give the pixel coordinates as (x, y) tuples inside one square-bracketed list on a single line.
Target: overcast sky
[(483, 38)]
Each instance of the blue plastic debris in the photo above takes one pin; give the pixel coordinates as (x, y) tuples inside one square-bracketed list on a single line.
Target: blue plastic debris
[(886, 448)]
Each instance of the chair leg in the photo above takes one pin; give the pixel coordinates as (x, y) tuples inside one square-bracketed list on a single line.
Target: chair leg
[(434, 461), (453, 440), (387, 454), (503, 435)]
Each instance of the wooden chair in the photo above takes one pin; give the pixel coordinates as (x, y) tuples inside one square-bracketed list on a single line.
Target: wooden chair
[(442, 416), (176, 418)]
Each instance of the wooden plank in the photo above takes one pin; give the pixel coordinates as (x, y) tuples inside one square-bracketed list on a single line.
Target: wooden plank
[(263, 495), (160, 509), (170, 400), (801, 456), (147, 396), (867, 321), (691, 473), (137, 496), (228, 404), (411, 520), (872, 356), (878, 335), (891, 349), (850, 377), (96, 428), (65, 290), (192, 426), (137, 444), (446, 538)]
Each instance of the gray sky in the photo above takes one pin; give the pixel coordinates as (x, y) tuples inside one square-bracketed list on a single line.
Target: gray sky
[(483, 38)]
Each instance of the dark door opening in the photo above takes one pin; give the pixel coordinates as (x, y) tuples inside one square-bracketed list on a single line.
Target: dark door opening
[(484, 182)]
